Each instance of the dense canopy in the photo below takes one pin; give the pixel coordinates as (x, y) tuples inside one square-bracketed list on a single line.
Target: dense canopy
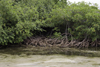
[(20, 19)]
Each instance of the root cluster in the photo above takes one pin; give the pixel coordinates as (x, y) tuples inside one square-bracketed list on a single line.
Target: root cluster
[(44, 41)]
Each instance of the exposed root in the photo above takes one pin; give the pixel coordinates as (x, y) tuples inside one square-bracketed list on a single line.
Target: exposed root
[(43, 42)]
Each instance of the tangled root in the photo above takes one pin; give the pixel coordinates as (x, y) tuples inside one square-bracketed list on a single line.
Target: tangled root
[(43, 42)]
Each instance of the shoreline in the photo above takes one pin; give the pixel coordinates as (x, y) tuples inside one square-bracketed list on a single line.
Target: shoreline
[(32, 50)]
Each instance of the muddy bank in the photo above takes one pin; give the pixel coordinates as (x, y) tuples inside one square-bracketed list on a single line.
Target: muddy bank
[(32, 50)]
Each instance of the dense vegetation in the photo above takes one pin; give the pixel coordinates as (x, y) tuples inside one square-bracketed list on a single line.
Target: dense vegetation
[(20, 19)]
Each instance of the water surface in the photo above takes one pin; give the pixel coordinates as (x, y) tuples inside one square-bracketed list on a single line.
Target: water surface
[(48, 61), (25, 57)]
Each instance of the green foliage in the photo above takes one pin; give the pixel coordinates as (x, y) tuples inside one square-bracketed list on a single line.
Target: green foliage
[(17, 21), (57, 35), (79, 19), (20, 19)]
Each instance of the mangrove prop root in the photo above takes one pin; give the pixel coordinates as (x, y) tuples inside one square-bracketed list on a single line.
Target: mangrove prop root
[(44, 41)]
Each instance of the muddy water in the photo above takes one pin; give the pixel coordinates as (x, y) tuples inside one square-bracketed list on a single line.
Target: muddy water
[(48, 61), (8, 59)]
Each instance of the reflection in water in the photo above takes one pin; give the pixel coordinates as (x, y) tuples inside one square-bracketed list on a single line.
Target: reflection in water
[(20, 57)]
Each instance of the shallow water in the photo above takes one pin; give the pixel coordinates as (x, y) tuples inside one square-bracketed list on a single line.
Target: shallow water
[(20, 57), (48, 61)]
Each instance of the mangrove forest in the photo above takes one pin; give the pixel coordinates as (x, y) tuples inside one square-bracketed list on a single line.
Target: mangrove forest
[(49, 23)]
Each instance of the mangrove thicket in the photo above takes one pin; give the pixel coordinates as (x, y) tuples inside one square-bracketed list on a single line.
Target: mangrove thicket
[(66, 23)]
